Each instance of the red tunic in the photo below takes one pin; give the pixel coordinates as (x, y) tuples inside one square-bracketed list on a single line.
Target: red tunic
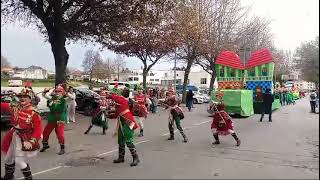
[(21, 119), (223, 130), (122, 109), (141, 100)]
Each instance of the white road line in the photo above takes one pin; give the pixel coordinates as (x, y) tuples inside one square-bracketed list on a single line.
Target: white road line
[(202, 123), (117, 149), (51, 169)]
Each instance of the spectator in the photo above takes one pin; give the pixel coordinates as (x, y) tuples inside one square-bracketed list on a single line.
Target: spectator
[(313, 100), (189, 99), (71, 105), (267, 104)]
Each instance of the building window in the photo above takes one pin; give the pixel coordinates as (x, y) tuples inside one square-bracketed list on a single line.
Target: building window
[(221, 72), (203, 81), (165, 74), (157, 80), (151, 74), (151, 79), (232, 72), (264, 71), (177, 74), (130, 79), (136, 79), (252, 72)]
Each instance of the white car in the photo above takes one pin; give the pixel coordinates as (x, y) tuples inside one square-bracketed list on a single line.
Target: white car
[(198, 99)]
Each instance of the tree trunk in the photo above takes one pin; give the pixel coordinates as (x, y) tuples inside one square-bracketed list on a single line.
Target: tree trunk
[(213, 78), (213, 75), (61, 57), (185, 80), (144, 77)]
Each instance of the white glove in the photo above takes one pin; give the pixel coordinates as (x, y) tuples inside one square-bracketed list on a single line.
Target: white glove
[(27, 144)]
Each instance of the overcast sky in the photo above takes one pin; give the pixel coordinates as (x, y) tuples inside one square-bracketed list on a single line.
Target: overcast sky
[(293, 22)]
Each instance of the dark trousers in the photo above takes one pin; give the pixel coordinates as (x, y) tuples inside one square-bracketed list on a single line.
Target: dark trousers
[(266, 110), (189, 104), (313, 106)]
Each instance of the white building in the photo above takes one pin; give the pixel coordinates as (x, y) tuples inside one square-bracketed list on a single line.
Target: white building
[(32, 72), (165, 78), (304, 85)]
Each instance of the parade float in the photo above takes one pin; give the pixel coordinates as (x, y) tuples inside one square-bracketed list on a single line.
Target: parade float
[(243, 85)]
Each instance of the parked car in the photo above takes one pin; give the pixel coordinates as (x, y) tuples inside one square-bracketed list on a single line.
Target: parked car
[(14, 83), (87, 100)]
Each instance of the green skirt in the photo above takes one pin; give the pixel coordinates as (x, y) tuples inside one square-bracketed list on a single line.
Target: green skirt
[(125, 134), (100, 120)]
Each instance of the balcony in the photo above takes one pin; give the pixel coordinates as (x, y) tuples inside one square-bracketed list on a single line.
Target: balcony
[(229, 78), (259, 78)]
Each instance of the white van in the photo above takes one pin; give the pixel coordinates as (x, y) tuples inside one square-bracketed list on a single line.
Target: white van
[(14, 83)]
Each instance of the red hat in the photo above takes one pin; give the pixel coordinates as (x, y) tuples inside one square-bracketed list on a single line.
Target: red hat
[(25, 92), (116, 85), (28, 84)]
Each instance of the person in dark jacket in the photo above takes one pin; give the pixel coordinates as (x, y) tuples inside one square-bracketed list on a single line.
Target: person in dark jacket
[(189, 99), (267, 104)]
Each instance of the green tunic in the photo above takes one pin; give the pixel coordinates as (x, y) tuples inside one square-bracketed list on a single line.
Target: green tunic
[(116, 90), (58, 110), (100, 120), (125, 134)]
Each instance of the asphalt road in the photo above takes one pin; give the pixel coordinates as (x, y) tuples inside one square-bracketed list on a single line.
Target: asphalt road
[(286, 148)]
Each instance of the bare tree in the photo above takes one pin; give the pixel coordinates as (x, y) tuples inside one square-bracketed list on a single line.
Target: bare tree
[(307, 59), (92, 64), (59, 20), (221, 25), (149, 37), (4, 62), (119, 64)]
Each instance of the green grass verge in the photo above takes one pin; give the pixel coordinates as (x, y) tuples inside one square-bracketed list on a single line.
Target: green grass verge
[(41, 83)]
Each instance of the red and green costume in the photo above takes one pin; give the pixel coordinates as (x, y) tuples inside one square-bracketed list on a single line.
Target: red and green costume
[(175, 116), (125, 129), (57, 118), (100, 116), (22, 140)]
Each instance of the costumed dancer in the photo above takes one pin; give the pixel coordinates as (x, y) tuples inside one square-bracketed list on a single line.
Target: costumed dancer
[(175, 116), (222, 123), (100, 116), (116, 89), (34, 98), (125, 126), (140, 108), (57, 117), (22, 140)]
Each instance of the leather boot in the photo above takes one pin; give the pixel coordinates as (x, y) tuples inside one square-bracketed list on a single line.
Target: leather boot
[(216, 137), (104, 131), (27, 173), (88, 130), (236, 138), (9, 171), (62, 151), (45, 146), (171, 135), (121, 152), (141, 133), (185, 139), (134, 154)]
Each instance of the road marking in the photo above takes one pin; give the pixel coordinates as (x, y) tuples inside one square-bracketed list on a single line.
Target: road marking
[(117, 149), (51, 169), (102, 154), (202, 123)]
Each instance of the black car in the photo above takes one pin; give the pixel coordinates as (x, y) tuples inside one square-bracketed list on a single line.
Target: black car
[(87, 100)]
